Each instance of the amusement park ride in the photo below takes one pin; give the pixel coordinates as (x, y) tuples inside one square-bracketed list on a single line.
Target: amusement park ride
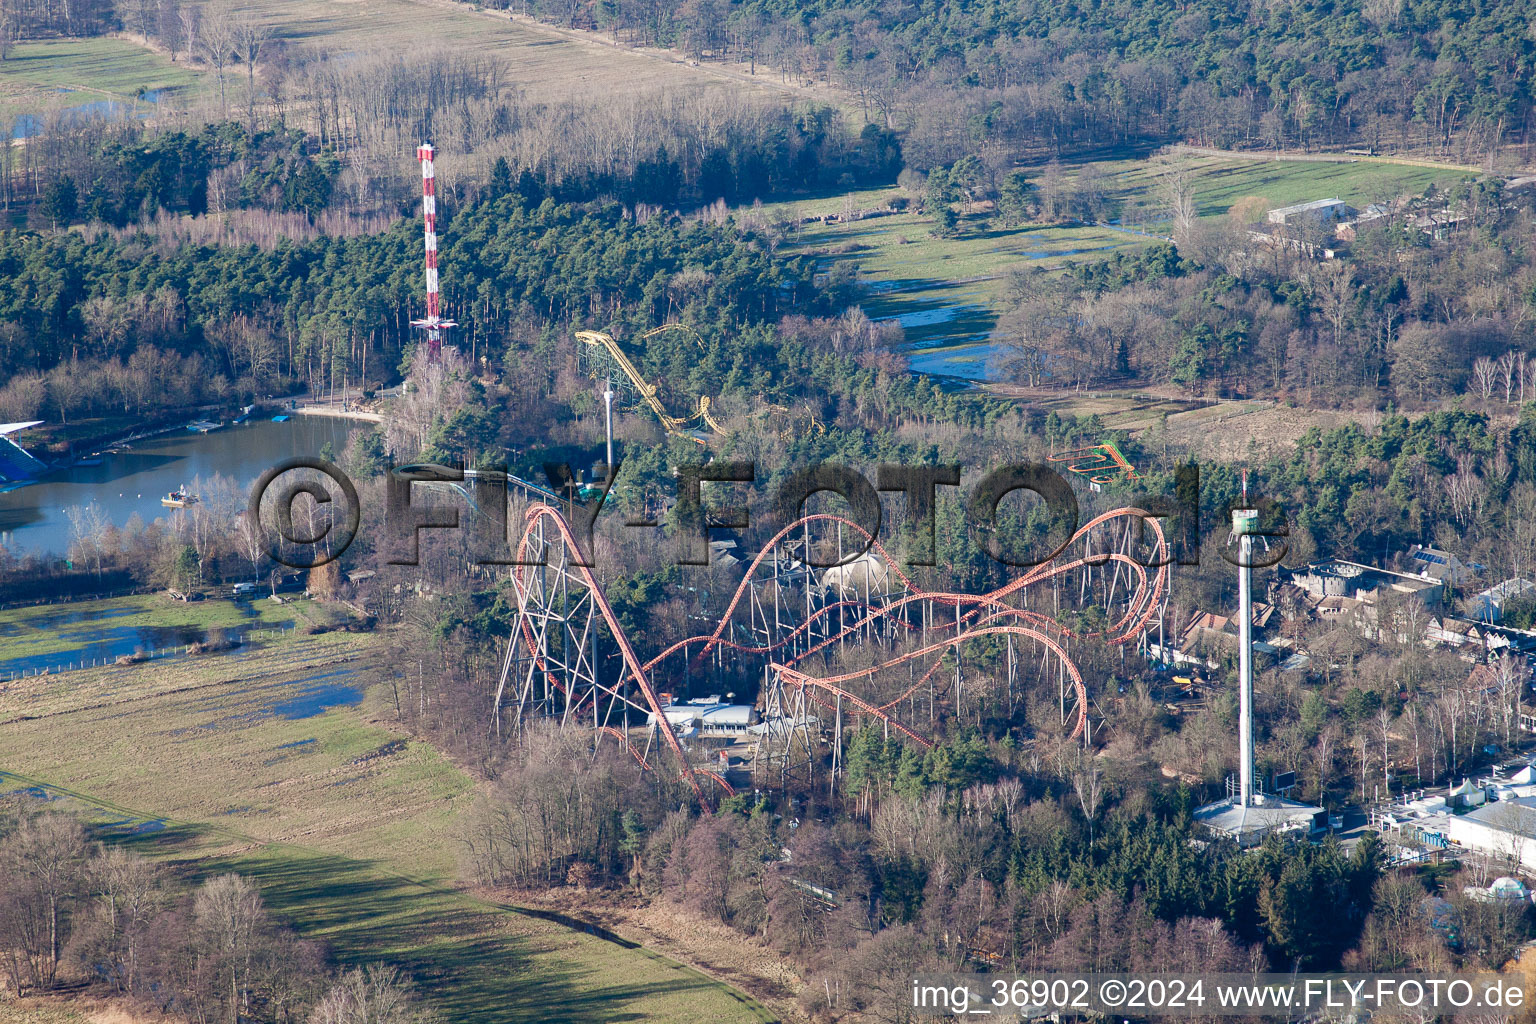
[(615, 359), (793, 628), (568, 658)]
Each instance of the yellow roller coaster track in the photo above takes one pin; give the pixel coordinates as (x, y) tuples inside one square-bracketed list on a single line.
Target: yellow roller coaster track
[(671, 424)]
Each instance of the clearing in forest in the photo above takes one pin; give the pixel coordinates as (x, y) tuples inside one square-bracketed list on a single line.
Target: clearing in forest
[(545, 63), (114, 74), (947, 292), (102, 74)]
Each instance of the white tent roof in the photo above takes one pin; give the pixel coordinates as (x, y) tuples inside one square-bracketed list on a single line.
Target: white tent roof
[(11, 428), (1524, 776)]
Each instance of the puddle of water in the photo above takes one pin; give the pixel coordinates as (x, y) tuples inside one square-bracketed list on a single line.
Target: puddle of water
[(28, 125), (108, 645), (928, 317), (971, 361), (134, 826), (317, 699), (55, 619), (115, 641), (155, 636)]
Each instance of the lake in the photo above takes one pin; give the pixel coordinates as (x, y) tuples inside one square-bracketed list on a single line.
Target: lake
[(132, 481)]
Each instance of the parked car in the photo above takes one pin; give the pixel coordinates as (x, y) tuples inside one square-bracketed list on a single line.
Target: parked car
[(244, 590)]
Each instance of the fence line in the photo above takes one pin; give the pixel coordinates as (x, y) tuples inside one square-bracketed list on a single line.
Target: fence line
[(159, 652)]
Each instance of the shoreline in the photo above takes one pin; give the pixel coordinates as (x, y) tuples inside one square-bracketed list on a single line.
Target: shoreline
[(105, 444), (337, 414)]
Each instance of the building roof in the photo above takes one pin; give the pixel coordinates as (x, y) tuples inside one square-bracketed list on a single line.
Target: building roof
[(1517, 816), (1275, 812), (1316, 204), (1441, 565), (1203, 622), (11, 428), (708, 715), (1508, 589), (1336, 605), (867, 572)]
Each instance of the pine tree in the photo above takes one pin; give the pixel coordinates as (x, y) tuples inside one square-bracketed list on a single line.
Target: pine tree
[(61, 201)]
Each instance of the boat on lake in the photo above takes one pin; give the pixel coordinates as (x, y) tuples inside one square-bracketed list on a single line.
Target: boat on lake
[(179, 498)]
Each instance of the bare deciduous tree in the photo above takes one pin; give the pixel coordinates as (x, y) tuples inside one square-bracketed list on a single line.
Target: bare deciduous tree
[(1485, 374), (229, 913), (219, 48), (248, 36), (41, 871), (376, 994)]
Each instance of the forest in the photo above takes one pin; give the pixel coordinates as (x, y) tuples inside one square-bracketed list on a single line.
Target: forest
[(1005, 81), (101, 323), (1000, 80)]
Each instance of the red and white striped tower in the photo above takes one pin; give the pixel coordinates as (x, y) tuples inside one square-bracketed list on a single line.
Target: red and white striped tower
[(434, 325)]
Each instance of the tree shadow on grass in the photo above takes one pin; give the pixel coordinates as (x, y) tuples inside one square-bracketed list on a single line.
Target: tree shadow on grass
[(468, 958)]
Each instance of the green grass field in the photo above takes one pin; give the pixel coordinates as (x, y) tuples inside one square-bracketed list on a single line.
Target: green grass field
[(544, 63), (79, 72), (945, 291), (1220, 183), (196, 761)]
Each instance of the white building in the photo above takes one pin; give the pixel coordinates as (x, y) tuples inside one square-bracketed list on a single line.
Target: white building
[(1505, 830), (1269, 814), (16, 463), (858, 578), (1488, 606), (1322, 211), (709, 717)]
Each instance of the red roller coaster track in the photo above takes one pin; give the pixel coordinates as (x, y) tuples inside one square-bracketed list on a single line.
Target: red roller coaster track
[(976, 616)]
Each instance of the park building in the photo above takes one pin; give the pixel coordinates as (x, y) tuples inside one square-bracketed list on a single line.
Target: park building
[(708, 717), (1442, 566), (1266, 814), (1503, 829), (1318, 211), (1493, 817), (1488, 605)]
